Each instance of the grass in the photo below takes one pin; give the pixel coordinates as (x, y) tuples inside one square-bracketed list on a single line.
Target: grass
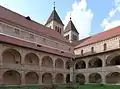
[(87, 86), (93, 86)]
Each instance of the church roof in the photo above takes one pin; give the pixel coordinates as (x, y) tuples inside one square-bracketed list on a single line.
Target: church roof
[(26, 44), (70, 27), (16, 19), (54, 17), (100, 37)]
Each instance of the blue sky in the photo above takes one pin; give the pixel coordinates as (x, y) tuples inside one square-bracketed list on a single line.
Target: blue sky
[(90, 16)]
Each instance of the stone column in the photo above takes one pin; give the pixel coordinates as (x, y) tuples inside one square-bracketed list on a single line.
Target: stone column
[(40, 61), (22, 57), (22, 78), (103, 77), (86, 62), (53, 59), (103, 61), (86, 78), (64, 66), (1, 62), (71, 74), (64, 78), (53, 78), (40, 78), (1, 78)]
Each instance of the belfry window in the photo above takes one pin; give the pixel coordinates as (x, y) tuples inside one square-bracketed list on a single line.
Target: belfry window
[(55, 28), (60, 30), (67, 37)]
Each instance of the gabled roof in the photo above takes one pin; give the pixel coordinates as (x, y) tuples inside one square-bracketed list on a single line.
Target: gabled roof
[(11, 17), (100, 37), (70, 27), (54, 17)]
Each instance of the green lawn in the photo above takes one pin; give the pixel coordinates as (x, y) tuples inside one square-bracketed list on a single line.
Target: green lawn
[(99, 87), (88, 86)]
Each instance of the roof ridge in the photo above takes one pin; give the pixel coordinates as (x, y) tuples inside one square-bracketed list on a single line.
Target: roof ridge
[(26, 23)]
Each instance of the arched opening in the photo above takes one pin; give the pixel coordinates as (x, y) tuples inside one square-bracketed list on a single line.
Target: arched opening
[(31, 59), (113, 60), (59, 78), (59, 63), (68, 64), (47, 78), (47, 62), (11, 77), (113, 78), (11, 56), (80, 78), (31, 78), (68, 78), (95, 62), (80, 65), (95, 78)]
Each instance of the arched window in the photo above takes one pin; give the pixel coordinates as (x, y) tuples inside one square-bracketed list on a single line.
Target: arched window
[(82, 52), (92, 49), (55, 28), (105, 46), (60, 30)]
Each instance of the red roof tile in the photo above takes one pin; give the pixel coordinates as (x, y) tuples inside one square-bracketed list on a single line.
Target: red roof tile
[(18, 42), (101, 36), (22, 21)]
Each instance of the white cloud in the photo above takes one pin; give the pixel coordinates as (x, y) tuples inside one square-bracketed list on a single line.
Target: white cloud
[(110, 22), (81, 17)]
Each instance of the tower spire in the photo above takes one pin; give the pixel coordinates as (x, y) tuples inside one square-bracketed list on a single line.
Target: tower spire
[(54, 5), (70, 15)]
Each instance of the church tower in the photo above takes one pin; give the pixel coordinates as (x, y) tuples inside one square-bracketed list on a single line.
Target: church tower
[(54, 22), (70, 32)]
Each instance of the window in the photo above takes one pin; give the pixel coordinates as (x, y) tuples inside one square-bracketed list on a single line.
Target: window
[(55, 28), (105, 46), (82, 52), (31, 36), (60, 30), (17, 31), (69, 49), (92, 49), (67, 37), (74, 38)]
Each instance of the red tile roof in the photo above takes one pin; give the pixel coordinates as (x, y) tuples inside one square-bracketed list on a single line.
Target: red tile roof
[(101, 36), (18, 42), (22, 21)]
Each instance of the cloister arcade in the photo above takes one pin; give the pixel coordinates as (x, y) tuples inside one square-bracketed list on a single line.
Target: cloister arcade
[(13, 56), (15, 77), (109, 63)]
